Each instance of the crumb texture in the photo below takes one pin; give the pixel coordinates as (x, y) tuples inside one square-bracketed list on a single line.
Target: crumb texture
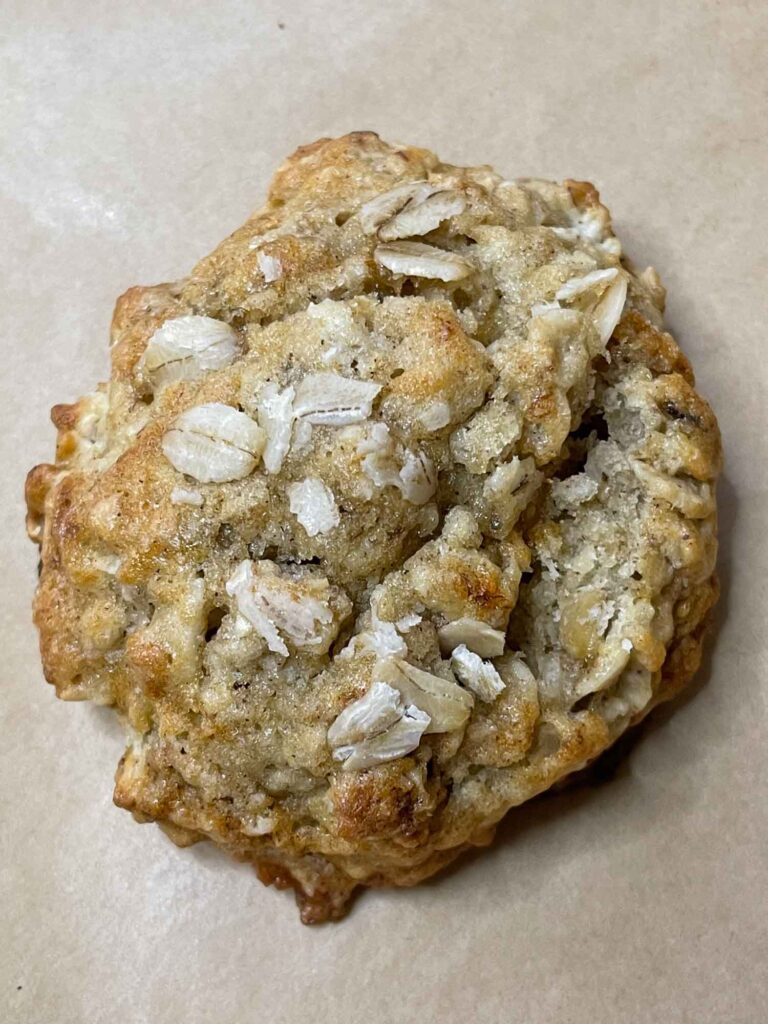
[(396, 510)]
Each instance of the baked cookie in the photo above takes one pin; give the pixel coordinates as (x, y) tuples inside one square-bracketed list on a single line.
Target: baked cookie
[(394, 512)]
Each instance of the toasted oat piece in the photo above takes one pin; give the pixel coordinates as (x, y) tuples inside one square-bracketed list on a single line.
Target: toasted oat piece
[(393, 513)]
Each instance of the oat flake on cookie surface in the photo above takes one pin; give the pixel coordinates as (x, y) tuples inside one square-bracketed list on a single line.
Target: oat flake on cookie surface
[(395, 511)]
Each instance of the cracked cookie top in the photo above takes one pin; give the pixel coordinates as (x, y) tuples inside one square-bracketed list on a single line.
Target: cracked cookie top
[(396, 510)]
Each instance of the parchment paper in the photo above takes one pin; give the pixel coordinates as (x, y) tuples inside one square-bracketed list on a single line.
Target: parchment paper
[(136, 135)]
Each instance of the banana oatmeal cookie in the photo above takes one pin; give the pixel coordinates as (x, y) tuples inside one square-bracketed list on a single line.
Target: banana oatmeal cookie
[(394, 512)]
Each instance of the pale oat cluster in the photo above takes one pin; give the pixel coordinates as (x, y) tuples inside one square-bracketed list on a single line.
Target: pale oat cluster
[(395, 511)]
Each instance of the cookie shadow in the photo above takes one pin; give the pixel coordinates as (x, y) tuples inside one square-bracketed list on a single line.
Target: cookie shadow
[(614, 766)]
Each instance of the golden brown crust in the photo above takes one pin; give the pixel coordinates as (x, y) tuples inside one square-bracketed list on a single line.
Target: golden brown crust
[(533, 460), (638, 341)]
